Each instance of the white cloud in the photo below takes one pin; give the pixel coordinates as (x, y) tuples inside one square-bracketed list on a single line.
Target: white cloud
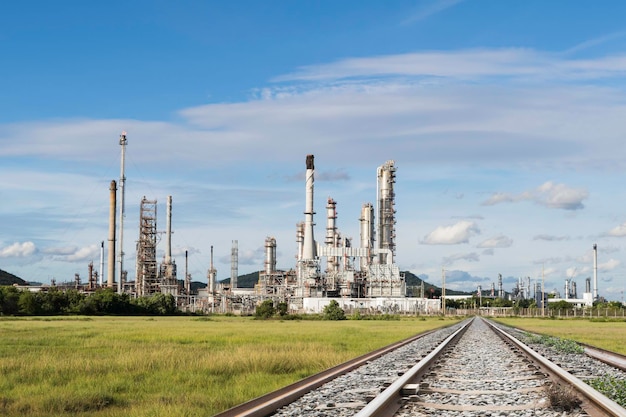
[(86, 253), (609, 265), (560, 196), (496, 242), (618, 231), (549, 194), (459, 232), (17, 250)]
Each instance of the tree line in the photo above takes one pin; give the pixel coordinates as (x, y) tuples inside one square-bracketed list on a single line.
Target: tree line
[(105, 301)]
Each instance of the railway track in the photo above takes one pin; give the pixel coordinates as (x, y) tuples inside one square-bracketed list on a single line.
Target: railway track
[(470, 369)]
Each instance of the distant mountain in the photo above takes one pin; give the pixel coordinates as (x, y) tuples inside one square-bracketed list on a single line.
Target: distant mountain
[(10, 279), (413, 283)]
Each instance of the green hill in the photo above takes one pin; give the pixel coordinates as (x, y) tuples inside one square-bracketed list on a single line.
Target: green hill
[(245, 281), (413, 283), (10, 279)]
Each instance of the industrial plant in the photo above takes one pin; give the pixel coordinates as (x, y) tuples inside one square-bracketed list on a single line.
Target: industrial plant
[(361, 276)]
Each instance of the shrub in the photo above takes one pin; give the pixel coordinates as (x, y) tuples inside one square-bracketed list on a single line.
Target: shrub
[(333, 312), (265, 310)]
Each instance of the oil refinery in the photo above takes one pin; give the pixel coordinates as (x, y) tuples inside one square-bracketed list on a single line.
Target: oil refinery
[(360, 277)]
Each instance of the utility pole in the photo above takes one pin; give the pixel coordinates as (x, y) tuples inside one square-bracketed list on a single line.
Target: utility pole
[(443, 290), (543, 292)]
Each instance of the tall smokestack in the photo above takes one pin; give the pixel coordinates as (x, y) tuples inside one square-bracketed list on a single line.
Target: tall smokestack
[(111, 258), (595, 272), (101, 262), (168, 248), (308, 245)]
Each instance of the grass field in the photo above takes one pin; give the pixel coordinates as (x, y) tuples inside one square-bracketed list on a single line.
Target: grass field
[(607, 334), (170, 366)]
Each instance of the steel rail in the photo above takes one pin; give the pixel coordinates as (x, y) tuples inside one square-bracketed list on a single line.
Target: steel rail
[(390, 396), (267, 404), (614, 359), (598, 399)]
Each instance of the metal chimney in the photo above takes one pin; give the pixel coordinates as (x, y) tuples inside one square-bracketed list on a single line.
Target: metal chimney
[(308, 248), (111, 258)]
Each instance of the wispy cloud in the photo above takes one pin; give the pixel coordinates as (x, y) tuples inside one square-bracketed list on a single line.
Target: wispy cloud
[(497, 65), (429, 8), (469, 257), (590, 43), (550, 238), (496, 242)]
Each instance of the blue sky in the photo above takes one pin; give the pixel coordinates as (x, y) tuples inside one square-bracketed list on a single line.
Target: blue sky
[(505, 119)]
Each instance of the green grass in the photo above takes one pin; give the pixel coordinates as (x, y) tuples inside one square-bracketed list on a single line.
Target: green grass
[(606, 334), (174, 366)]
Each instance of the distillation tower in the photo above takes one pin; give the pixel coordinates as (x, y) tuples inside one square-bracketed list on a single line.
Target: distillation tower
[(386, 178), (146, 280), (167, 271)]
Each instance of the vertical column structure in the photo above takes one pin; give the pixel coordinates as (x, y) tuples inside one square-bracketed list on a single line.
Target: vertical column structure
[(367, 234), (123, 143), (168, 232), (187, 275), (331, 233), (111, 255), (595, 272), (102, 260), (386, 177), (500, 289), (234, 264), (309, 251), (169, 281), (146, 281), (270, 256), (211, 275)]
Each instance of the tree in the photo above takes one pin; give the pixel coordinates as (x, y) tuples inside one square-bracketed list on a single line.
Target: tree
[(333, 312), (27, 303), (282, 309), (9, 297), (265, 310)]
